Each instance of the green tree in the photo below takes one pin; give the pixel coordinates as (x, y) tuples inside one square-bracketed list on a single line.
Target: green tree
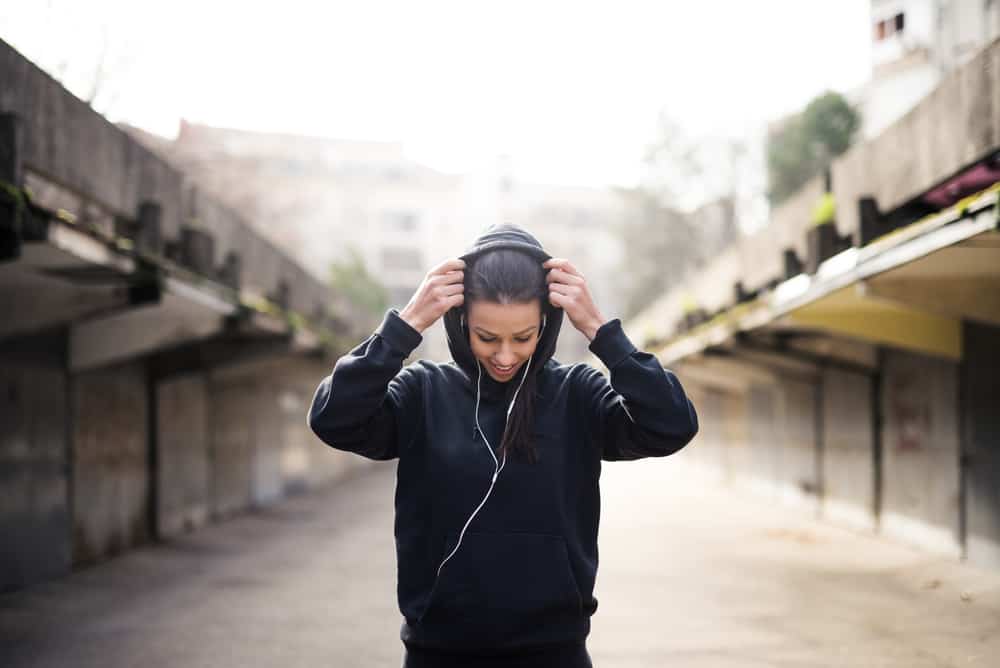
[(803, 145), (359, 291)]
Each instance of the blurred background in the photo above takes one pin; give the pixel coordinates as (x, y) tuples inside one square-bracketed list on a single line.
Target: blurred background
[(792, 203)]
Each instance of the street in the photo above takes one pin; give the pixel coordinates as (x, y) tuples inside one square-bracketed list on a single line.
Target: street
[(691, 574)]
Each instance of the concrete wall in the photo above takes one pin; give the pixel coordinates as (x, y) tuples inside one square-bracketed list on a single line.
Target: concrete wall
[(259, 416), (96, 462), (765, 435), (110, 468), (921, 492), (956, 124), (846, 451), (78, 461), (231, 432), (236, 437), (99, 166), (798, 471), (761, 252), (765, 432), (981, 436), (183, 496), (709, 449), (34, 488), (760, 435)]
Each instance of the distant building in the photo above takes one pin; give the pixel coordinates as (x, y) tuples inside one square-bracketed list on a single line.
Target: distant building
[(580, 224), (317, 198), (914, 44)]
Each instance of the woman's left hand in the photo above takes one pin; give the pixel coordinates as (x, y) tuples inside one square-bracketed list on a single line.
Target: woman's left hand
[(568, 290)]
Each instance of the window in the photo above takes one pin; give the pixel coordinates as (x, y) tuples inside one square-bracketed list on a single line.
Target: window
[(889, 27), (399, 221)]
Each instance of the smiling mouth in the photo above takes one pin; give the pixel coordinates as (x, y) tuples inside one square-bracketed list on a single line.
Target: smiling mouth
[(503, 371)]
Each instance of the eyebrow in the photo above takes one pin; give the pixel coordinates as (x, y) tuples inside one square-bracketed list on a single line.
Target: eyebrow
[(489, 333)]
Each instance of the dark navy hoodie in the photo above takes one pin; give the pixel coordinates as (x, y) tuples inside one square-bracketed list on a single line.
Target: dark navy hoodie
[(523, 576)]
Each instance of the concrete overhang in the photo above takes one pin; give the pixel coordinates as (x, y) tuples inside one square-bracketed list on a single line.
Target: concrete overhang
[(119, 304), (67, 276), (910, 289), (192, 312), (184, 313)]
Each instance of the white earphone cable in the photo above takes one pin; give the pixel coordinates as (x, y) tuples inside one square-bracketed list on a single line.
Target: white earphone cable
[(498, 466)]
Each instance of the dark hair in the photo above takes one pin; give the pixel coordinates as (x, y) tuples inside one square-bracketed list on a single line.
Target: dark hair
[(505, 276)]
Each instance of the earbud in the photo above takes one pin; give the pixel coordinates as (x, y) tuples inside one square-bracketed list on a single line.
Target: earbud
[(542, 328)]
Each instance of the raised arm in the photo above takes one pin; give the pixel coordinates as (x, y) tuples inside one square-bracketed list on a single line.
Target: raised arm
[(370, 400), (369, 403), (643, 411)]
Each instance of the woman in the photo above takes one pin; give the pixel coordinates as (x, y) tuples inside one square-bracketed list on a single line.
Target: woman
[(497, 497)]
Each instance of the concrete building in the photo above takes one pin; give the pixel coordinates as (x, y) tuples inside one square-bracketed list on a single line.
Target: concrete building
[(914, 44), (157, 355), (851, 367), (319, 198)]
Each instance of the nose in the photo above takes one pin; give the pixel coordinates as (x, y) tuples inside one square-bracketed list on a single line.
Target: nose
[(506, 356)]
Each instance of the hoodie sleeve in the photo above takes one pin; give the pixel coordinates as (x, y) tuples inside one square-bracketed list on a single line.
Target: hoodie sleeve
[(369, 401), (643, 410)]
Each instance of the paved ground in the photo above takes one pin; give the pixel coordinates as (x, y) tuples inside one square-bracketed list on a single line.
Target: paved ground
[(690, 575)]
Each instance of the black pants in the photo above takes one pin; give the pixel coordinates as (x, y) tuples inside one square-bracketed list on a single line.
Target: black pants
[(570, 656)]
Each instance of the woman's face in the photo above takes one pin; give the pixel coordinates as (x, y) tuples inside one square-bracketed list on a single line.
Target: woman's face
[(503, 336)]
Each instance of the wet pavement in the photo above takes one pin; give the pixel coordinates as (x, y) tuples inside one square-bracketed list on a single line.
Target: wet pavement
[(691, 574)]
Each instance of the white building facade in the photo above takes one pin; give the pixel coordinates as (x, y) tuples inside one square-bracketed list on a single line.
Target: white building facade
[(914, 44)]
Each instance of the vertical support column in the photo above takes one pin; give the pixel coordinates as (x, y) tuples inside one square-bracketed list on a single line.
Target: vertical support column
[(981, 443), (818, 418), (877, 422), (11, 179), (148, 237), (964, 453), (11, 149), (870, 221)]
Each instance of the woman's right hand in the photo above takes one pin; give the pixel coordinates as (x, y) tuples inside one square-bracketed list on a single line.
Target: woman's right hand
[(441, 290)]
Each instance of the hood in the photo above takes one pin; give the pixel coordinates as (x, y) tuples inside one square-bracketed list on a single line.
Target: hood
[(502, 236)]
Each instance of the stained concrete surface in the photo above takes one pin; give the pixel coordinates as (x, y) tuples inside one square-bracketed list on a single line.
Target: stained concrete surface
[(691, 574)]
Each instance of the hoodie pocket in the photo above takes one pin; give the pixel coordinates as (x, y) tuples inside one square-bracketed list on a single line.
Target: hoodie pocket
[(500, 586)]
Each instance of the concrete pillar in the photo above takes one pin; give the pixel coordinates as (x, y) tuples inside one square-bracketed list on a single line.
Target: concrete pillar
[(231, 271), (980, 387), (148, 237), (11, 176), (11, 149), (197, 250)]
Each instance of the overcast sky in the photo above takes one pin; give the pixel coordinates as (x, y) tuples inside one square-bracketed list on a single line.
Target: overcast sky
[(570, 90)]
